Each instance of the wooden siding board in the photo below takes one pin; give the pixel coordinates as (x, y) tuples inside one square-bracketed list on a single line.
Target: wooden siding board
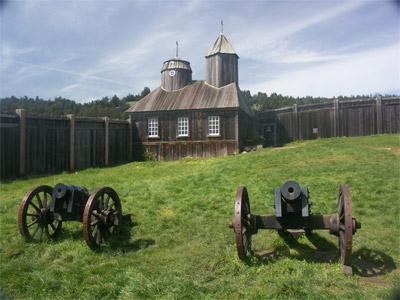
[(198, 121), (181, 78), (222, 69)]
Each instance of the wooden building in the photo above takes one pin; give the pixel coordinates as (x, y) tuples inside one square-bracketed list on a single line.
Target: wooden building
[(199, 118)]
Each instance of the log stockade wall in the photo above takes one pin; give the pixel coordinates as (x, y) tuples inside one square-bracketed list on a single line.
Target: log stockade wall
[(43, 145), (341, 118)]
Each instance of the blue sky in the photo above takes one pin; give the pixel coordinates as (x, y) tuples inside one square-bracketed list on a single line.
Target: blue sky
[(85, 50)]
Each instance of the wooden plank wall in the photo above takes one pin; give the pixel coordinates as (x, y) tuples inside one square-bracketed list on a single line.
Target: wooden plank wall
[(246, 128), (357, 118), (181, 79), (198, 144), (47, 147), (9, 146), (118, 142), (222, 69), (198, 124), (177, 150), (390, 116), (89, 143), (340, 118), (315, 121)]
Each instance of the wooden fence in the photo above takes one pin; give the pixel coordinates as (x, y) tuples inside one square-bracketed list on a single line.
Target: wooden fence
[(340, 118), (43, 145)]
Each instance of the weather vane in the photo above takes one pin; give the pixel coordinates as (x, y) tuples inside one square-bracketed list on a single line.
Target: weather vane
[(222, 26), (176, 48)]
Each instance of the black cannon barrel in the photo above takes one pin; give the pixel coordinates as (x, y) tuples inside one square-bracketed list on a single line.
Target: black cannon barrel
[(291, 190), (60, 190)]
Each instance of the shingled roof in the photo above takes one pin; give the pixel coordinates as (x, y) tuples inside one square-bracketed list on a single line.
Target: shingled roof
[(197, 95), (221, 45), (176, 63)]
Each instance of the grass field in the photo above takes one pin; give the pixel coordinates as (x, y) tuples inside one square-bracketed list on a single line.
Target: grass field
[(181, 246)]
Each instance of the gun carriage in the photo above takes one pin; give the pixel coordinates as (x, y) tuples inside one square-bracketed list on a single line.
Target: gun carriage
[(43, 210), (292, 211)]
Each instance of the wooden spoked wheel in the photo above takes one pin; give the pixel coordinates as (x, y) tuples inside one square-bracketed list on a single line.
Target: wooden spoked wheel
[(34, 220), (241, 223), (346, 225), (101, 217)]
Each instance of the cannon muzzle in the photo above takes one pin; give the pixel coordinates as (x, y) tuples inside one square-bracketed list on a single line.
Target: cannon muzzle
[(60, 190), (291, 190)]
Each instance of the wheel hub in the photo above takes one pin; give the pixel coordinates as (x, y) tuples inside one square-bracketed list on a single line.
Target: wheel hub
[(107, 218), (43, 216)]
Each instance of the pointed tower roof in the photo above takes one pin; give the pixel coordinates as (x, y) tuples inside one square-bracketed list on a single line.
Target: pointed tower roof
[(221, 45)]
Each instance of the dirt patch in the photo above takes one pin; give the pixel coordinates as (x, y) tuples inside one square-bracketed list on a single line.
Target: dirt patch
[(284, 148), (265, 254), (378, 281), (394, 150)]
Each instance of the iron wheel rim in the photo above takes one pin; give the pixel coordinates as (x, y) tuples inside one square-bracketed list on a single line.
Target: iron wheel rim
[(241, 223), (102, 217), (34, 220), (345, 221)]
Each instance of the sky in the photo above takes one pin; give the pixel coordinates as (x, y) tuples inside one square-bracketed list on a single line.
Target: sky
[(85, 50)]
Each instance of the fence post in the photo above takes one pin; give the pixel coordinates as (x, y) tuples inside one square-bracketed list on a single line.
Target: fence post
[(106, 140), (71, 142), (295, 123), (335, 117), (130, 137), (378, 114), (22, 140)]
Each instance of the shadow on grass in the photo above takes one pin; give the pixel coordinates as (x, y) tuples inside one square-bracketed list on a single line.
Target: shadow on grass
[(325, 252), (370, 263), (121, 241), (365, 262)]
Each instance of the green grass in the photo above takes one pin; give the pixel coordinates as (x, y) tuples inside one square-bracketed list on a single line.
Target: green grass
[(181, 246)]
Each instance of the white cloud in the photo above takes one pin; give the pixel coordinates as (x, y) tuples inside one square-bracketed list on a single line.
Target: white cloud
[(91, 49), (260, 40), (374, 71)]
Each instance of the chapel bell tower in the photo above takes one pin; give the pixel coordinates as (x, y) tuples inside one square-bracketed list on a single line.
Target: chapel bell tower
[(222, 62), (176, 73)]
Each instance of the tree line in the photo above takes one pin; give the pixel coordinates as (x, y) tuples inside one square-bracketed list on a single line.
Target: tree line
[(263, 101), (115, 107)]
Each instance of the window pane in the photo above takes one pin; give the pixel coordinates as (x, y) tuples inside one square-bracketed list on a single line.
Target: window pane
[(183, 126), (152, 127), (213, 125)]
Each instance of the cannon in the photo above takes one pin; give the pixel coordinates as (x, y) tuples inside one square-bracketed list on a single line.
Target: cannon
[(292, 212), (43, 210)]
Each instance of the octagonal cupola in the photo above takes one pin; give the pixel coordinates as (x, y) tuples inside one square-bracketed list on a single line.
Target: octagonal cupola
[(176, 73)]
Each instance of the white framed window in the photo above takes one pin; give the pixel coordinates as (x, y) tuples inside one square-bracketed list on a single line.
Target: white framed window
[(152, 127), (213, 126), (183, 126)]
